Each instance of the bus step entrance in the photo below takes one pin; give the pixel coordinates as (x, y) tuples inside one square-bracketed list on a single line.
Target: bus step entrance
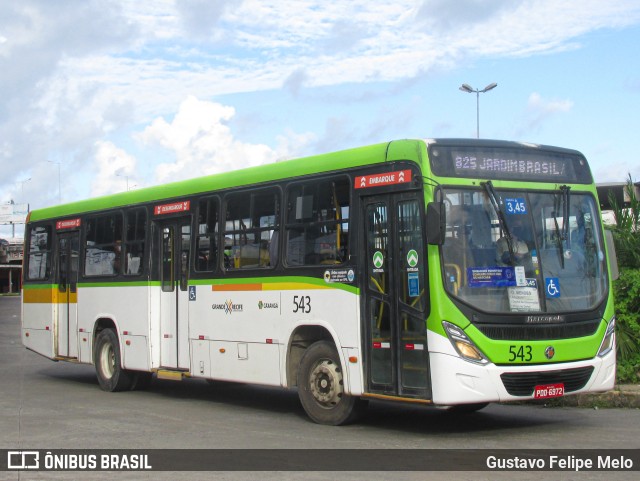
[(170, 375)]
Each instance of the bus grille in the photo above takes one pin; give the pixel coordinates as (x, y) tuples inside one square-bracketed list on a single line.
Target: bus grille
[(539, 332), (523, 384)]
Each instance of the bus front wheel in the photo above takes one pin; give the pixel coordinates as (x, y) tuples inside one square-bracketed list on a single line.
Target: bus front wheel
[(111, 376), (321, 387)]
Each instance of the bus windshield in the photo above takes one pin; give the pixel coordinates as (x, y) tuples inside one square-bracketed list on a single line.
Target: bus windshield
[(523, 251)]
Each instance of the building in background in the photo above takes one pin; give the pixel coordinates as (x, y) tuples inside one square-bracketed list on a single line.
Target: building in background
[(11, 249), (620, 194)]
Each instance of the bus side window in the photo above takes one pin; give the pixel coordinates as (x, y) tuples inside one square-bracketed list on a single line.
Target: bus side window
[(317, 222), (39, 260), (136, 231), (251, 220), (103, 238), (207, 235)]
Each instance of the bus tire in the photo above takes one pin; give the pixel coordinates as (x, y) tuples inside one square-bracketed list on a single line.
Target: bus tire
[(141, 380), (111, 376), (321, 387)]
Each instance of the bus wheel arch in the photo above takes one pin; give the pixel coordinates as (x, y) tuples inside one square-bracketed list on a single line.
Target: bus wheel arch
[(107, 358), (301, 338)]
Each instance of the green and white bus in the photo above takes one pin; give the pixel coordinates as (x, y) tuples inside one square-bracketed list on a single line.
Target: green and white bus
[(445, 272)]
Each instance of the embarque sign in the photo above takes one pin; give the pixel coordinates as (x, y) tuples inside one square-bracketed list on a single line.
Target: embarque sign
[(380, 180)]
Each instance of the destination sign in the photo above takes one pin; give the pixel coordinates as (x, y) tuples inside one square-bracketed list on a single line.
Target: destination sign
[(509, 163), (68, 224), (172, 208)]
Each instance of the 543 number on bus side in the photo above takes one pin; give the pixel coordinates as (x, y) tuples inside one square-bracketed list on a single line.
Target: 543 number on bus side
[(301, 304)]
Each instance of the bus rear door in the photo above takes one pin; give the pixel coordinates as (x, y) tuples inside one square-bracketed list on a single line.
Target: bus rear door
[(68, 247), (174, 238)]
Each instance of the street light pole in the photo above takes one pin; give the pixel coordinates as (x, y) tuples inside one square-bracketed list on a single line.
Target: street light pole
[(22, 182), (59, 182), (126, 177), (467, 88)]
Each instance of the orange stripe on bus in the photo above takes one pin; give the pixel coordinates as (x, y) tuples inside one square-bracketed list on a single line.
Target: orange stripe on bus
[(236, 287), (48, 296)]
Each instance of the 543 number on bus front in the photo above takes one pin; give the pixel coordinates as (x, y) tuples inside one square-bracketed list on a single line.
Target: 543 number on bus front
[(522, 353)]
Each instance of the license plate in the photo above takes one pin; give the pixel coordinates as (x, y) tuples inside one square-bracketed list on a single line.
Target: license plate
[(546, 391)]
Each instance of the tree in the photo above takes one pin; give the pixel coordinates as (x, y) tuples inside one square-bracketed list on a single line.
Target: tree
[(626, 236)]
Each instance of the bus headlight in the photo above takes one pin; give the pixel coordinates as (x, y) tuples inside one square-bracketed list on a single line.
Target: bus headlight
[(609, 341), (463, 345)]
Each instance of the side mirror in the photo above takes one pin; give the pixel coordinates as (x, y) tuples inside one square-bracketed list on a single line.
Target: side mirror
[(436, 223), (611, 250)]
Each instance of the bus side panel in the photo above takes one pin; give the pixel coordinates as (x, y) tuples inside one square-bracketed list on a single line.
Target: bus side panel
[(246, 362), (242, 335), (38, 313), (40, 341), (128, 308)]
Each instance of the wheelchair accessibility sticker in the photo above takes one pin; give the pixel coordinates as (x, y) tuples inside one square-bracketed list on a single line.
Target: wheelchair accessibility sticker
[(552, 287)]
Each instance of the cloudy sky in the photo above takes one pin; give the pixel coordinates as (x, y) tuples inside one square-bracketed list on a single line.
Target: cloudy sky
[(109, 95)]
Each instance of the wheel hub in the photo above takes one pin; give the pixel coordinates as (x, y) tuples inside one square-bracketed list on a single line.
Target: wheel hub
[(108, 360), (326, 383)]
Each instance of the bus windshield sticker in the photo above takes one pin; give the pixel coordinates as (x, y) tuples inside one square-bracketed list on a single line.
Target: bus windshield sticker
[(552, 287), (515, 206), (380, 180), (491, 276), (524, 299), (183, 206), (521, 278)]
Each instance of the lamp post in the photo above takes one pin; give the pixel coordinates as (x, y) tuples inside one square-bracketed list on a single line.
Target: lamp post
[(126, 177), (467, 88), (22, 182), (59, 183)]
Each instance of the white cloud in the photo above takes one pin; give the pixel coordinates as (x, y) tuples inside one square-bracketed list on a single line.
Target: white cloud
[(202, 142), (539, 110), (116, 170)]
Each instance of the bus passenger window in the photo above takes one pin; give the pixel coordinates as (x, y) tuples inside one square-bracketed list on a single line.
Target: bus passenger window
[(317, 222), (251, 220), (39, 261), (103, 233), (207, 234), (135, 241)]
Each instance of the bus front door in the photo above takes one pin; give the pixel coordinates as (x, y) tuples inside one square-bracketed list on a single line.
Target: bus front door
[(175, 252), (67, 296), (395, 296)]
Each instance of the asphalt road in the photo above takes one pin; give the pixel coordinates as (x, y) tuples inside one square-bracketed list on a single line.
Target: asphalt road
[(49, 405)]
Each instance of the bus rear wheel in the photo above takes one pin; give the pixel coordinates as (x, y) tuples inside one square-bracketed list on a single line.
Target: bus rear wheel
[(111, 376), (321, 387)]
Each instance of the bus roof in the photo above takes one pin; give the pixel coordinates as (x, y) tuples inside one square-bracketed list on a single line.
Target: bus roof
[(372, 154), (407, 149)]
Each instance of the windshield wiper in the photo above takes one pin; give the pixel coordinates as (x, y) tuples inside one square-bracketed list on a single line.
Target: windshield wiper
[(493, 199), (562, 236)]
